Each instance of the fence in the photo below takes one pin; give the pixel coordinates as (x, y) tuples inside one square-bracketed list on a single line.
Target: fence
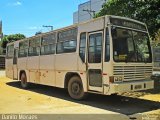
[(2, 62)]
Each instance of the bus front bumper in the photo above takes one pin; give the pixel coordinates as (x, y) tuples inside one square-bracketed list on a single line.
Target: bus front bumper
[(131, 86)]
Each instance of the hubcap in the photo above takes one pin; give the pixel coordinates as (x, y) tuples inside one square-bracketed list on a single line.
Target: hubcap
[(76, 88)]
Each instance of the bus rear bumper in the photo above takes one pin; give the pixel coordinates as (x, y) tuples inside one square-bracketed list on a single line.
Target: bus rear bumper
[(131, 86)]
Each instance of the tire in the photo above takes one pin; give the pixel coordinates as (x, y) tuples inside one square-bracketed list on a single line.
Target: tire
[(75, 88), (24, 83)]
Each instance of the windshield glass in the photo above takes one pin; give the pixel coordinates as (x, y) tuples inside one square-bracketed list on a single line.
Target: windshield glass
[(130, 45)]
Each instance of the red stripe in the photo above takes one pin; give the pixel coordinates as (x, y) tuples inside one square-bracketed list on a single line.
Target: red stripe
[(104, 74)]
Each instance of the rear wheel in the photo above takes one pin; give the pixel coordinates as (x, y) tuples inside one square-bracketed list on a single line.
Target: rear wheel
[(75, 88), (24, 83)]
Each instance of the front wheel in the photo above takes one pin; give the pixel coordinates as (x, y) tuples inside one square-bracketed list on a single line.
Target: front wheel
[(24, 83), (75, 88)]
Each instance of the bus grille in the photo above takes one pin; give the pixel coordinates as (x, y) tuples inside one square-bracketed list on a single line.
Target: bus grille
[(131, 73)]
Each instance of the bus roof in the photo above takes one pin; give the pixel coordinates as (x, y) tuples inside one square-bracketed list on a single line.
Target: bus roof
[(76, 25)]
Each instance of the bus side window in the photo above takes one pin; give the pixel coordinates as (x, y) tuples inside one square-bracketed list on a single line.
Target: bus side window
[(67, 41), (66, 47), (48, 44), (34, 47), (107, 46), (23, 49), (10, 51), (82, 47)]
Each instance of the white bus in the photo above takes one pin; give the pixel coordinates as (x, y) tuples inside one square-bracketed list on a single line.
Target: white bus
[(107, 55)]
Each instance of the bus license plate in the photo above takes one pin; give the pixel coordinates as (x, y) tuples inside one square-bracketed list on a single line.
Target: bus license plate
[(138, 87)]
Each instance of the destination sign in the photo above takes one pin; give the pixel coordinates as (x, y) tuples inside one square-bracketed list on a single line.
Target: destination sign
[(127, 23)]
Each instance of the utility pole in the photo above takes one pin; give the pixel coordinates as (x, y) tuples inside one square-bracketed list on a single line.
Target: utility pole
[(90, 11), (48, 26)]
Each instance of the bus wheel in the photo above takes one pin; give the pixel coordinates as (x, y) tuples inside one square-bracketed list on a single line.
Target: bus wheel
[(75, 88), (24, 82)]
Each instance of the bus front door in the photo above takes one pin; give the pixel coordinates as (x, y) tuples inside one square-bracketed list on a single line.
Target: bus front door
[(94, 62), (15, 69)]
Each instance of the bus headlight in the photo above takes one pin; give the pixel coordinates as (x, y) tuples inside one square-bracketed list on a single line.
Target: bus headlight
[(118, 78)]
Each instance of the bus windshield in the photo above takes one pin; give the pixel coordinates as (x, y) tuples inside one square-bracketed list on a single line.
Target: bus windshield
[(130, 45)]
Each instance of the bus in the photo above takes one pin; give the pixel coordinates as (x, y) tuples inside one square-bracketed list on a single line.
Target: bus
[(156, 66), (156, 58), (107, 55)]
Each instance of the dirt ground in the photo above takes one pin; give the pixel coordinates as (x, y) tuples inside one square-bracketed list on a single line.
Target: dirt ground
[(48, 100)]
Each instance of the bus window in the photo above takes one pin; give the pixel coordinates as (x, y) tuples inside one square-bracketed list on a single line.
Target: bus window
[(23, 49), (48, 44), (66, 47), (82, 48), (10, 51), (107, 46), (95, 48), (123, 45), (130, 46), (67, 41), (142, 46), (34, 47)]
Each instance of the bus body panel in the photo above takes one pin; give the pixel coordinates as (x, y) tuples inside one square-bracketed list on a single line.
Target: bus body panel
[(9, 68), (130, 86), (107, 72), (33, 67), (22, 63), (66, 62), (34, 76), (47, 70), (94, 25), (47, 77)]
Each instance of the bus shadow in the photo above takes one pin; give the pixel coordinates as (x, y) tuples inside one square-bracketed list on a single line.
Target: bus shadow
[(120, 104)]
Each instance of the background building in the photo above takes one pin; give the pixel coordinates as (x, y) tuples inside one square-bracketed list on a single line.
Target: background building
[(0, 30), (87, 10)]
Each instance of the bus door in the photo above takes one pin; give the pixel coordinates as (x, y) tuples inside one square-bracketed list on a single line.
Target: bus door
[(15, 69), (94, 61)]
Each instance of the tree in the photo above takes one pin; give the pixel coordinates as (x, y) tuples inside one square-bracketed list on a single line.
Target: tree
[(156, 41), (147, 11), (4, 42), (11, 38)]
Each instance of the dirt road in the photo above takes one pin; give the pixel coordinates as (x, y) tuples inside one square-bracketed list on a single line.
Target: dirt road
[(48, 100)]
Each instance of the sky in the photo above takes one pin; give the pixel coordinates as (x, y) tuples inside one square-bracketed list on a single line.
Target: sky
[(28, 16)]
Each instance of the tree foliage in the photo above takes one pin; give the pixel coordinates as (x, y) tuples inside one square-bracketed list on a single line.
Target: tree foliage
[(156, 40), (157, 36), (11, 38), (147, 11)]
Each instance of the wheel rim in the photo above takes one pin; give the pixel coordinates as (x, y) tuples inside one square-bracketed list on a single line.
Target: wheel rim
[(76, 88)]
